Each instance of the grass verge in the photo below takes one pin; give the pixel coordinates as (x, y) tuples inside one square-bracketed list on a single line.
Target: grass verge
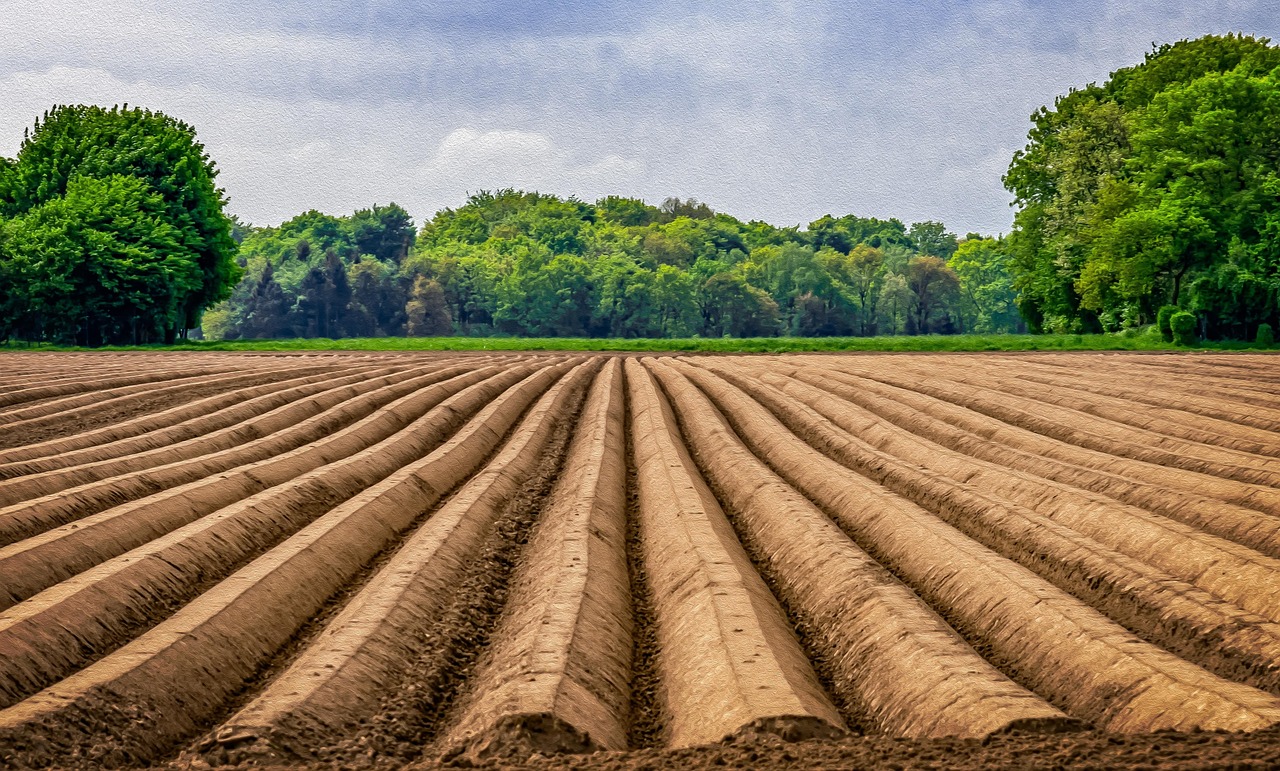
[(945, 343)]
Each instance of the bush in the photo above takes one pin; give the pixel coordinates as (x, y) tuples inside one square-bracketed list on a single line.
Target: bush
[(1183, 327), (1266, 336), (1163, 315)]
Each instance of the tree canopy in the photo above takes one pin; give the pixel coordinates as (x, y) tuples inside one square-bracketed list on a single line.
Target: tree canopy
[(511, 262), (113, 229), (1157, 187)]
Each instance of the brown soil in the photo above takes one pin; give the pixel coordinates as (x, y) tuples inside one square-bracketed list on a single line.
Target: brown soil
[(1021, 549), (113, 412)]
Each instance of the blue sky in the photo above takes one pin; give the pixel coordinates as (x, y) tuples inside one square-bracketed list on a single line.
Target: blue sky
[(781, 111)]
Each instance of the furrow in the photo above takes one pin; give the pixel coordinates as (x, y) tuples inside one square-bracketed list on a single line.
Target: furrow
[(1193, 485), (38, 562), (62, 629), (269, 415), (1046, 639), (1158, 604), (1163, 420), (899, 460), (351, 412), (1188, 397), (557, 677), (1235, 369), (1242, 525), (100, 386), (72, 407), (199, 436), (908, 672), (361, 655), (1086, 431), (729, 662), (179, 419)]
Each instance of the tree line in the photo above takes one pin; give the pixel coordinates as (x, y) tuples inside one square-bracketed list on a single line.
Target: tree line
[(1153, 198), (510, 262)]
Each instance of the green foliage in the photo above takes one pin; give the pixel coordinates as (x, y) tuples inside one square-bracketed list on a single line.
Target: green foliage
[(515, 263), (934, 288), (99, 264), (76, 142), (383, 232), (1183, 326), (932, 239), (427, 312), (628, 212), (981, 266), (1157, 187), (843, 233), (1162, 321), (1266, 336), (114, 232)]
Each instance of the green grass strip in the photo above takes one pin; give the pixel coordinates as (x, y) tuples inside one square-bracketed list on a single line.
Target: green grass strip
[(944, 343)]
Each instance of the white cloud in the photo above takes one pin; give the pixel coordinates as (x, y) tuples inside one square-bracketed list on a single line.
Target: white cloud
[(498, 158)]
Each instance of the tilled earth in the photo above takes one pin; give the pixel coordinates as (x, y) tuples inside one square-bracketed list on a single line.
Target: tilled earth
[(594, 561)]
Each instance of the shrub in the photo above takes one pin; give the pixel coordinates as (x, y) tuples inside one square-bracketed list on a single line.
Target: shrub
[(1183, 327), (1266, 336), (1163, 315)]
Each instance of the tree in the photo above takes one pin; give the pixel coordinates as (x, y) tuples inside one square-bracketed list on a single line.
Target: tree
[(844, 233), (521, 263), (981, 265), (932, 239), (77, 141), (384, 232), (624, 308), (546, 295), (673, 208), (664, 249), (789, 272), (675, 302), (99, 264), (1158, 186), (265, 312), (865, 270), (377, 302), (631, 212), (323, 299), (896, 300), (427, 311), (732, 307), (934, 287)]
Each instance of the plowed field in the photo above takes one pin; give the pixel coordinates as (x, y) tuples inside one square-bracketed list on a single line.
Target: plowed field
[(616, 561)]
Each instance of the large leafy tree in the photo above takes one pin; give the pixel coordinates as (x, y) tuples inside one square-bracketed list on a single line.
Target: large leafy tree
[(383, 232), (981, 265), (174, 176), (934, 288), (99, 264), (1156, 187), (932, 239)]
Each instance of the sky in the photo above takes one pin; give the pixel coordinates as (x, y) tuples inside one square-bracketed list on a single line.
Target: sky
[(781, 111)]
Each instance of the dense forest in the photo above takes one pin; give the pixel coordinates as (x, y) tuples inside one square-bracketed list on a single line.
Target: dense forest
[(519, 263), (1151, 198)]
